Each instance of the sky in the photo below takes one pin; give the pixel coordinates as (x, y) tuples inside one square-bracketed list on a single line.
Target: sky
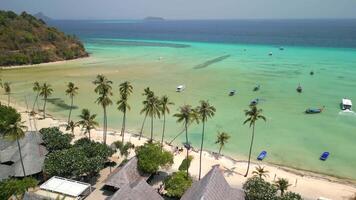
[(185, 9)]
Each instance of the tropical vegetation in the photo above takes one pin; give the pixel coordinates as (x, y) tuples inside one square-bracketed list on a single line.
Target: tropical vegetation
[(16, 187), (125, 89), (221, 140), (151, 158), (87, 121), (253, 115), (187, 115), (104, 89), (205, 111), (25, 39), (176, 184), (46, 91), (71, 91)]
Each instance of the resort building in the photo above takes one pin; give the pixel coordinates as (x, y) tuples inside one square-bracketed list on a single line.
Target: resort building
[(213, 187), (33, 154), (57, 188), (126, 175), (138, 191)]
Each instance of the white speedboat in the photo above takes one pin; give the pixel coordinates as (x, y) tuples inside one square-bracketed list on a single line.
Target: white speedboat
[(346, 104), (180, 88)]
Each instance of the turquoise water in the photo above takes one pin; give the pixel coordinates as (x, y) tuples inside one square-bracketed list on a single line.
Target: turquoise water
[(289, 136)]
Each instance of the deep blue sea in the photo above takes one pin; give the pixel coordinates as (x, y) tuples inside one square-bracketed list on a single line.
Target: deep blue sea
[(323, 33)]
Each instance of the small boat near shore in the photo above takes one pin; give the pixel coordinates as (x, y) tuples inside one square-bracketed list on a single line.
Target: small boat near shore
[(232, 93), (314, 110), (324, 156), (299, 89), (346, 104), (180, 88), (262, 155), (254, 102), (256, 88)]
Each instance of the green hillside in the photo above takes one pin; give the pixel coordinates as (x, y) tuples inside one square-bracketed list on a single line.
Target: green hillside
[(27, 40)]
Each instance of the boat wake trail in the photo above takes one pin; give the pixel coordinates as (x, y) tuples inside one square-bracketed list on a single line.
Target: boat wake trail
[(347, 113), (212, 61)]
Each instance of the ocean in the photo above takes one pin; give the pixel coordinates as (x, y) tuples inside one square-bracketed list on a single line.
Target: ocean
[(211, 58)]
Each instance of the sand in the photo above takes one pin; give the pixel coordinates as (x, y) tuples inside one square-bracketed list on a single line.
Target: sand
[(309, 185)]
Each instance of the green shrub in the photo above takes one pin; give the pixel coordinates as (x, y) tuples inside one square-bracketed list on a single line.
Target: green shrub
[(151, 157), (258, 189), (8, 115), (55, 140), (177, 184), (290, 196), (185, 164), (124, 148), (16, 187)]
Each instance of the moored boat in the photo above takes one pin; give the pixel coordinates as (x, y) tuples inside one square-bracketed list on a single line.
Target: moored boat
[(262, 155), (324, 156), (299, 89), (314, 110), (346, 104), (256, 88), (180, 88), (232, 92)]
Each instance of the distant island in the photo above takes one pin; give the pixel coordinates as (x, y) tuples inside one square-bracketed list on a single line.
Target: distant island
[(42, 16), (24, 39), (154, 19)]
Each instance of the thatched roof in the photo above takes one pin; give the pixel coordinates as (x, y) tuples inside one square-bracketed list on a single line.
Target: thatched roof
[(126, 175), (33, 154), (213, 187), (137, 191)]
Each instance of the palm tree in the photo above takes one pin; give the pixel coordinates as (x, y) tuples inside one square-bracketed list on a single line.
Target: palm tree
[(87, 121), (71, 91), (221, 140), (187, 115), (253, 115), (36, 88), (165, 103), (205, 111), (152, 108), (104, 89), (282, 184), (46, 91), (71, 126), (7, 90), (148, 93), (15, 132), (123, 106), (260, 172)]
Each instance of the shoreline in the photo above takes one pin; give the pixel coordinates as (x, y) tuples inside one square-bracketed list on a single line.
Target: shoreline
[(308, 182), (43, 64)]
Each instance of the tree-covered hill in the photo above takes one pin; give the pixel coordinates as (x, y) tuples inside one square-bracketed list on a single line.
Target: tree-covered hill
[(27, 40)]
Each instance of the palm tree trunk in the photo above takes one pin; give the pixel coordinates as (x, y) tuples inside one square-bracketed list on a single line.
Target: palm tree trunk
[(105, 126), (23, 167), (143, 124), (70, 110), (89, 134), (123, 127), (8, 100), (34, 103), (201, 148), (186, 141), (249, 155), (180, 133), (151, 128), (163, 129), (221, 146), (44, 108)]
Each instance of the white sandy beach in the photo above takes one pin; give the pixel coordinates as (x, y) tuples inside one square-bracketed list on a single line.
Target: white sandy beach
[(309, 185), (61, 62)]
